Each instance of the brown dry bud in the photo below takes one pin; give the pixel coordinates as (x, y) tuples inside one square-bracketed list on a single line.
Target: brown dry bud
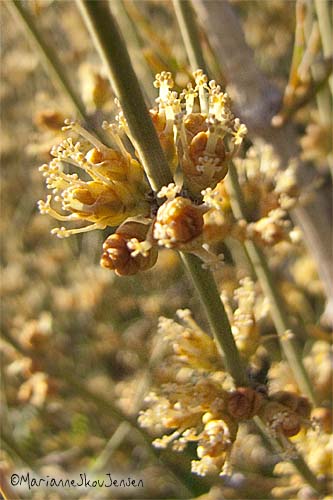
[(120, 257), (49, 119), (244, 403), (291, 425), (296, 403), (280, 418)]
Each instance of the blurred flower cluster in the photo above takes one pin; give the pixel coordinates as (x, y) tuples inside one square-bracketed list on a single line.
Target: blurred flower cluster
[(196, 400)]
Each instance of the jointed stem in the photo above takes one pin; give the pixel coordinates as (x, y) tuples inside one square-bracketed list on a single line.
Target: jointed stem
[(325, 27), (185, 17)]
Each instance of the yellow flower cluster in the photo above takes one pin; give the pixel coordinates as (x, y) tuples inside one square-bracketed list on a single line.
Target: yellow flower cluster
[(105, 186), (199, 404)]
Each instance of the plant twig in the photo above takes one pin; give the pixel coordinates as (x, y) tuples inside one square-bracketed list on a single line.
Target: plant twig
[(185, 17), (325, 27), (134, 45), (48, 57), (279, 314), (217, 317), (112, 49)]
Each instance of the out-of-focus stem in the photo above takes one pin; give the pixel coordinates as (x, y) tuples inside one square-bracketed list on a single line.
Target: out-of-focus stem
[(263, 273), (325, 28), (298, 461), (217, 317), (279, 314), (48, 57), (135, 49), (257, 100), (185, 17), (113, 52), (323, 96)]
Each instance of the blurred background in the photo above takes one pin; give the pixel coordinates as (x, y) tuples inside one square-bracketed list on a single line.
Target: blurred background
[(77, 339)]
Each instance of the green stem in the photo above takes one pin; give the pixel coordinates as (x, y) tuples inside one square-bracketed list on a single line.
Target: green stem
[(279, 314), (263, 273), (190, 34), (48, 57), (134, 45), (217, 317), (298, 461), (325, 28), (112, 50)]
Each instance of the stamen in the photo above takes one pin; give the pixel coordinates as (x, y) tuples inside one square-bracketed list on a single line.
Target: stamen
[(72, 125), (62, 232)]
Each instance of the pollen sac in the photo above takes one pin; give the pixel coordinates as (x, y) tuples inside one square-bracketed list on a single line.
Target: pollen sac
[(178, 223), (127, 251)]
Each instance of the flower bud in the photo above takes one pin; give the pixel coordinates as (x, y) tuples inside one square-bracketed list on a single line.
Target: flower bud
[(296, 403), (178, 222), (324, 417), (244, 403), (126, 251), (280, 418)]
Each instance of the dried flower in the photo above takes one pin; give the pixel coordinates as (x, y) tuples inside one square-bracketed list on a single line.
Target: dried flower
[(244, 403), (127, 251)]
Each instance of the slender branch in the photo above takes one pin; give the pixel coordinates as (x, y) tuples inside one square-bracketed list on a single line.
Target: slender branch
[(188, 27), (217, 317), (112, 50), (134, 45), (278, 311), (48, 56), (257, 101), (325, 27), (298, 461)]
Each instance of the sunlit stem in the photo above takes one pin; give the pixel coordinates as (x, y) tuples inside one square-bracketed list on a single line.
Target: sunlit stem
[(113, 52)]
